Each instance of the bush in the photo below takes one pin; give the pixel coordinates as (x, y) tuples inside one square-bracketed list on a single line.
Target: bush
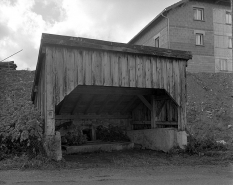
[(200, 145), (20, 130), (75, 137), (111, 133)]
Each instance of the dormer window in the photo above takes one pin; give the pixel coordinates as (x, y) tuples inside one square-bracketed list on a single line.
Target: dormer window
[(157, 42)]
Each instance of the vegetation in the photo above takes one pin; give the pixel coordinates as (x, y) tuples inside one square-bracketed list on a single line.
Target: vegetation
[(75, 137), (20, 130), (111, 133), (202, 145)]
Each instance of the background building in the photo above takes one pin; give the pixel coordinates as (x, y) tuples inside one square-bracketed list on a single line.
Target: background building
[(200, 26)]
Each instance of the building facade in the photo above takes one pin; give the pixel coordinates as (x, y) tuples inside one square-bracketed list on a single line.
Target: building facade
[(200, 26)]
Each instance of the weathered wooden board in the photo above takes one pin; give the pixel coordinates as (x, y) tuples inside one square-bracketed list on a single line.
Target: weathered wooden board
[(87, 67)]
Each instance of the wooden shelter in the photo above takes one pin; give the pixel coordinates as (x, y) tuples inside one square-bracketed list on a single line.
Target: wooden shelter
[(84, 79)]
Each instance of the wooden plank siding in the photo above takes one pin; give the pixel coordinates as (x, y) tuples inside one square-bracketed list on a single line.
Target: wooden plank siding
[(90, 67)]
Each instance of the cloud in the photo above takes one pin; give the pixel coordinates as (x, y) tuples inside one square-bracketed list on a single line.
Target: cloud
[(23, 21)]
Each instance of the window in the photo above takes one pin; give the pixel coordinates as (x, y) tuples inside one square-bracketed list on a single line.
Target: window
[(229, 42), (228, 18), (157, 42), (199, 39), (198, 14)]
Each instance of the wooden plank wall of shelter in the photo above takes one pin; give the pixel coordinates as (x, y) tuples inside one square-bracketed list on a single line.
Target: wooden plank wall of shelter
[(65, 68)]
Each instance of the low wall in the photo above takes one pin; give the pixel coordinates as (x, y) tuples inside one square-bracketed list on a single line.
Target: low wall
[(162, 139)]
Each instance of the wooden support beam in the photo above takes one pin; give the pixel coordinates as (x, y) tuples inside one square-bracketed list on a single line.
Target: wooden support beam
[(157, 98), (129, 105), (114, 107), (91, 103), (106, 101), (92, 116), (157, 122), (74, 109), (144, 100), (113, 90), (93, 133), (153, 112)]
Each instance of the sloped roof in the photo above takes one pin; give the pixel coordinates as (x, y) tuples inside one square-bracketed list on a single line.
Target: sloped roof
[(166, 10)]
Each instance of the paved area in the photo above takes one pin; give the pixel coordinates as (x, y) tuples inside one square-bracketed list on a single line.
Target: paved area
[(171, 175)]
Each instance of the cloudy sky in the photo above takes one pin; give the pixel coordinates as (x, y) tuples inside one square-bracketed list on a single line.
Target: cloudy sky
[(23, 21)]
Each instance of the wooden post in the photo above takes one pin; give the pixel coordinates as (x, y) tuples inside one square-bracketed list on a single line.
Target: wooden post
[(52, 142), (183, 99), (50, 107), (153, 112), (93, 133)]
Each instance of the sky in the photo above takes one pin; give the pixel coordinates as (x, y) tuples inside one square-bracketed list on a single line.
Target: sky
[(22, 23)]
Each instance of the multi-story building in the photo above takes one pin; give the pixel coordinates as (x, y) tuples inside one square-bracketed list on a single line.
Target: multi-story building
[(200, 26)]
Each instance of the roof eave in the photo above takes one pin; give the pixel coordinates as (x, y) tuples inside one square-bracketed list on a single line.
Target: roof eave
[(165, 11)]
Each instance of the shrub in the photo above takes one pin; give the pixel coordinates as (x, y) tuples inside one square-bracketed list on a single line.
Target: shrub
[(200, 145), (20, 130), (75, 137), (111, 133)]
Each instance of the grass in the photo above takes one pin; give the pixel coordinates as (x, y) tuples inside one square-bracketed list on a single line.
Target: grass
[(116, 159)]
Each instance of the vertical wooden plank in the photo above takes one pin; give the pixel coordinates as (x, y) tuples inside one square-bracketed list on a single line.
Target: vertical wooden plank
[(139, 72), (177, 81), (148, 73), (172, 79), (65, 85), (50, 107), (120, 69), (87, 60), (114, 69), (124, 68), (143, 71), (69, 65), (55, 67), (158, 75), (43, 88), (75, 68), (169, 76), (80, 69), (97, 68), (132, 70), (154, 71), (60, 73), (107, 81), (182, 124), (165, 76)]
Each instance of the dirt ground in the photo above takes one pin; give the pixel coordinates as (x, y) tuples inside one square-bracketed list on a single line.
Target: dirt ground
[(123, 167), (170, 175)]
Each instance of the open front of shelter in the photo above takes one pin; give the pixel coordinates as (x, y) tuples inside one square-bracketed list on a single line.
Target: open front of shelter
[(91, 82)]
